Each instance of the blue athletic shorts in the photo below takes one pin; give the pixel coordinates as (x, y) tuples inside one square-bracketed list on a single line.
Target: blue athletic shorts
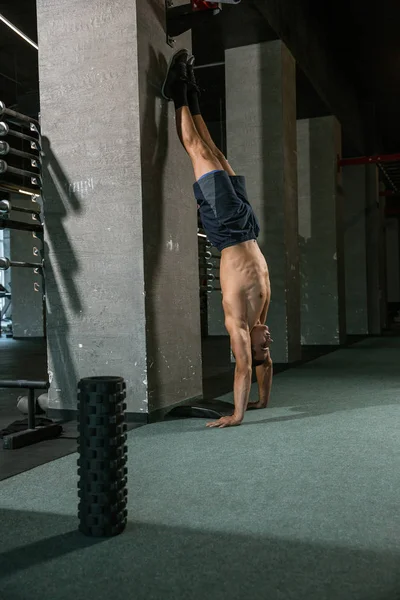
[(226, 214)]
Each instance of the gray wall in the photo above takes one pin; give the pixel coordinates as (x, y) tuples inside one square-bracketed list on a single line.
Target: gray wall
[(374, 225), (393, 259), (261, 143), (27, 287), (320, 232), (355, 244), (301, 31), (120, 220)]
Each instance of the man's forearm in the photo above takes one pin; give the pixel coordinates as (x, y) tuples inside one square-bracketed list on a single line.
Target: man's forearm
[(264, 378), (241, 391)]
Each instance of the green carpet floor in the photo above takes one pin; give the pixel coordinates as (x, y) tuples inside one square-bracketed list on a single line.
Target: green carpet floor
[(300, 502)]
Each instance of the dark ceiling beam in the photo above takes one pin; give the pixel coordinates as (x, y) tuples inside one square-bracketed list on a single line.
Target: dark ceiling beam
[(304, 37)]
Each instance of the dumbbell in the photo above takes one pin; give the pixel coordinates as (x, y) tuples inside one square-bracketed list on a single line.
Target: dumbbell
[(6, 263), (4, 148), (42, 403), (4, 128), (5, 207)]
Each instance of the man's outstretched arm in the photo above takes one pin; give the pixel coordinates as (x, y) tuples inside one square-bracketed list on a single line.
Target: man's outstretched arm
[(241, 348), (264, 378)]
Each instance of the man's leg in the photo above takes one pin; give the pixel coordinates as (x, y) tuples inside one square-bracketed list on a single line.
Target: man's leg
[(176, 89), (194, 105), (206, 137), (203, 159)]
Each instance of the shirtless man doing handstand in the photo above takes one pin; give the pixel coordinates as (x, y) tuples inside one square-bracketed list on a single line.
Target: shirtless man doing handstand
[(232, 227)]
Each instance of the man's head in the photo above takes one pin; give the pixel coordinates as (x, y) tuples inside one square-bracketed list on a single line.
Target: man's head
[(260, 342)]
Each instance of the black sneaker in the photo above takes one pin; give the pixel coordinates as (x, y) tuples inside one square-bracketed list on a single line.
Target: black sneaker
[(177, 71), (191, 75)]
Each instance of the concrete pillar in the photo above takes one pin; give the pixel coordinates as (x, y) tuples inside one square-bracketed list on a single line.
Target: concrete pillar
[(27, 290), (374, 227), (261, 144), (355, 250), (123, 283), (382, 261), (393, 260), (321, 237)]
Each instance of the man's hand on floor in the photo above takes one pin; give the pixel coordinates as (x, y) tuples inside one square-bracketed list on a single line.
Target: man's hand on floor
[(225, 422)]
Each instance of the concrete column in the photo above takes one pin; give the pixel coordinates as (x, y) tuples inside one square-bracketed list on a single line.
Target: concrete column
[(393, 260), (355, 250), (382, 261), (374, 227), (26, 286), (323, 306), (123, 284), (261, 143)]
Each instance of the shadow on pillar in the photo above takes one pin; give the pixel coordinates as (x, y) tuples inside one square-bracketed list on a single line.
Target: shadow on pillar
[(158, 9), (154, 150), (62, 201)]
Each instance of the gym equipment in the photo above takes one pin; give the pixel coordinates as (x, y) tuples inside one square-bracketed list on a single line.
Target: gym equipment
[(207, 288), (33, 433), (388, 164), (6, 263), (43, 401), (6, 207), (5, 168), (102, 456), (6, 296), (366, 160), (5, 149), (184, 17), (16, 115), (23, 405), (21, 172), (5, 130), (10, 224)]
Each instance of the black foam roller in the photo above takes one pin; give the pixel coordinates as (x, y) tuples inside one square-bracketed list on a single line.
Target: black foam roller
[(102, 472)]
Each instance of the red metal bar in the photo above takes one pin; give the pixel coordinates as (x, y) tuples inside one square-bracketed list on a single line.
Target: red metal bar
[(365, 160), (388, 193), (203, 5)]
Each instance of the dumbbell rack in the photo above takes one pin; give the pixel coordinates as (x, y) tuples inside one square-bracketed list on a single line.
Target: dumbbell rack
[(20, 153), (208, 275), (21, 175)]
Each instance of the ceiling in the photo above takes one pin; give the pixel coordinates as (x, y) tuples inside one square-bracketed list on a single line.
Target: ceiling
[(366, 41), (362, 37), (18, 60)]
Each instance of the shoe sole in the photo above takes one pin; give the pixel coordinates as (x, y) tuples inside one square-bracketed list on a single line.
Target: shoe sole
[(171, 62)]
